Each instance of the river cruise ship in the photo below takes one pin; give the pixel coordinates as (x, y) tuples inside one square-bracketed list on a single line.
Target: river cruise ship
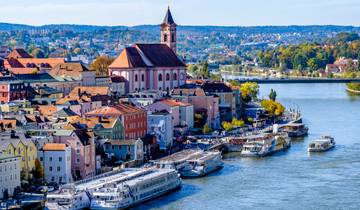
[(192, 163), (122, 193), (118, 189)]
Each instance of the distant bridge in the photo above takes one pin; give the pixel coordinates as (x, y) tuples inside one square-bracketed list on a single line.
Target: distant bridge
[(296, 80)]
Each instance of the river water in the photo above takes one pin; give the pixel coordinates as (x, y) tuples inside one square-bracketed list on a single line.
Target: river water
[(293, 179)]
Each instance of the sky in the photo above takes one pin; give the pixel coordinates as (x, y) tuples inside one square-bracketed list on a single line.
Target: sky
[(185, 12)]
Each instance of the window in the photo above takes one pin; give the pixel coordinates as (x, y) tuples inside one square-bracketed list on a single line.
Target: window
[(58, 168), (165, 37), (50, 168), (50, 159), (175, 76), (136, 77), (167, 77), (77, 151), (142, 77), (60, 159), (160, 77), (77, 160), (172, 37)]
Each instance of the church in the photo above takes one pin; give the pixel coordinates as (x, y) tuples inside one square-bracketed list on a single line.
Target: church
[(152, 66)]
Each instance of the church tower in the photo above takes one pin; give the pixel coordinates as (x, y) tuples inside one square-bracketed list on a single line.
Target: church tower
[(168, 31)]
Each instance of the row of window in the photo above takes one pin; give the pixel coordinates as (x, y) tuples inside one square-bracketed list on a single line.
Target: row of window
[(160, 77), (8, 178), (7, 166)]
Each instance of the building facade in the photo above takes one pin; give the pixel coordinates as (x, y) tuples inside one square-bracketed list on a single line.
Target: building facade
[(9, 175), (56, 160)]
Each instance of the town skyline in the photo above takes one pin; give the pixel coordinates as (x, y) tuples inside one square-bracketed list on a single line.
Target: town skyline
[(140, 12)]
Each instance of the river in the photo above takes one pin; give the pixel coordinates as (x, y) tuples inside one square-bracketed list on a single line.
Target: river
[(293, 179)]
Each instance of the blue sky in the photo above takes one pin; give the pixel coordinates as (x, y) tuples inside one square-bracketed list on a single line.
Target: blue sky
[(186, 12)]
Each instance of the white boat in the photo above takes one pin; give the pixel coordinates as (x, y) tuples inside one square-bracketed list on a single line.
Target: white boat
[(67, 198), (202, 164), (294, 129), (323, 144), (126, 193), (256, 149), (192, 163)]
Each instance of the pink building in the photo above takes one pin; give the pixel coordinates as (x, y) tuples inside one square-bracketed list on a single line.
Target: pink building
[(152, 66), (170, 106), (204, 104), (82, 151)]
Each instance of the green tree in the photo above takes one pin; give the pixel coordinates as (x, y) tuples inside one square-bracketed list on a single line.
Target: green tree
[(205, 70), (206, 129), (272, 95), (101, 65), (37, 53)]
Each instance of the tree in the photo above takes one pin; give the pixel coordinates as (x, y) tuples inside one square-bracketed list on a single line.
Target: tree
[(227, 126), (273, 108), (216, 77), (237, 123), (205, 70), (37, 53), (249, 91), (206, 129), (38, 171), (101, 65), (272, 95)]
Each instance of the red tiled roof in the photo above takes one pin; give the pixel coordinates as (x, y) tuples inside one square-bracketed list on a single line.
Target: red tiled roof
[(147, 55), (54, 147), (19, 53)]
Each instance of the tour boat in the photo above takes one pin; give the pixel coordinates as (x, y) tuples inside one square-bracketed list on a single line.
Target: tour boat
[(323, 144), (123, 194), (295, 129), (257, 149)]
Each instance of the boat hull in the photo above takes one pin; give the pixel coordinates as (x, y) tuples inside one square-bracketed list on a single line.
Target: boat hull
[(321, 150), (101, 207)]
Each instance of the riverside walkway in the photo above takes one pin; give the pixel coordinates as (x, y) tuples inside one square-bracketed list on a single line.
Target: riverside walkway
[(296, 80)]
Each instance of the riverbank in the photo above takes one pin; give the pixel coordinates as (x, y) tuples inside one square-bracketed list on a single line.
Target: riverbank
[(293, 179), (353, 91)]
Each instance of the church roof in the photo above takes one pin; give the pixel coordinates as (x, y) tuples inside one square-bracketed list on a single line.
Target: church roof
[(147, 55), (168, 18), (129, 58)]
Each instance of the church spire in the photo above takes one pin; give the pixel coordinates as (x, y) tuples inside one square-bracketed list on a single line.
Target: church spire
[(168, 31), (168, 18)]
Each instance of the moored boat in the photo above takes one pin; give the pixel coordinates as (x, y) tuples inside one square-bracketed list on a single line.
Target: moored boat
[(294, 129), (323, 144)]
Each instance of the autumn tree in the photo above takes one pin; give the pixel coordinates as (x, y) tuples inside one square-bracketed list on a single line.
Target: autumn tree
[(249, 91), (273, 108), (206, 129), (101, 65), (38, 171), (37, 53)]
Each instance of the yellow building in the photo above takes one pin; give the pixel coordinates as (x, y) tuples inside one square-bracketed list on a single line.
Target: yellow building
[(26, 149)]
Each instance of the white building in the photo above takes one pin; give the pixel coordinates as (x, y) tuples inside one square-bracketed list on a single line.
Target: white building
[(186, 115), (160, 125), (56, 160), (9, 174)]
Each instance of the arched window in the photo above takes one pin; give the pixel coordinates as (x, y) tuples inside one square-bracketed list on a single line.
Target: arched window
[(172, 37), (142, 77), (167, 77), (175, 76), (160, 77), (182, 76), (165, 37), (136, 77)]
